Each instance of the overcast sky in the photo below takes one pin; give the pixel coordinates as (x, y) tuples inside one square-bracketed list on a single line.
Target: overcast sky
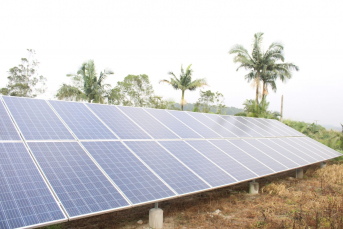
[(154, 37)]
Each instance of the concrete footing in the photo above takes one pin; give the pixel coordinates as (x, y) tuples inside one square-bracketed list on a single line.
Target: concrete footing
[(156, 218), (322, 164), (299, 173), (253, 187)]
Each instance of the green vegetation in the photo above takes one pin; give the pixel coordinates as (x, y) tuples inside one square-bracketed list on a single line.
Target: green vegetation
[(209, 101), (263, 67), (251, 109), (24, 79), (86, 85), (184, 83)]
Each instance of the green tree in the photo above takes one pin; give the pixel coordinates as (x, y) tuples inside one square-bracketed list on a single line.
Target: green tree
[(263, 66), (251, 109), (86, 85), (184, 82), (24, 79), (210, 101)]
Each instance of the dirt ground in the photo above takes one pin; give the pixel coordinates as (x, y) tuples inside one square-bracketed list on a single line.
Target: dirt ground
[(316, 201)]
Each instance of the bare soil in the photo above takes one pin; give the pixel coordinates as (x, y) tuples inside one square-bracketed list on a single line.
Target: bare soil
[(316, 201)]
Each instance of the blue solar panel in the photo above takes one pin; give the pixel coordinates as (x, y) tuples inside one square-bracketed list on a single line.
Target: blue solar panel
[(277, 153), (237, 131), (292, 153), (243, 157), (118, 122), (241, 126), (284, 127), (83, 123), (174, 173), (148, 123), (25, 199), (303, 148), (261, 156), (319, 149), (229, 164), (272, 131), (194, 124), (270, 125), (7, 129), (255, 128), (137, 182), (36, 120), (173, 123), (198, 163), (213, 125), (81, 187)]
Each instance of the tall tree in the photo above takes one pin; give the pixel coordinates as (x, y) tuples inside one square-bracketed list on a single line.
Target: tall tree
[(209, 102), (184, 82), (86, 85), (24, 79), (262, 64)]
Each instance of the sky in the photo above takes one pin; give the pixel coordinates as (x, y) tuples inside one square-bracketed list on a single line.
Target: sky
[(155, 37)]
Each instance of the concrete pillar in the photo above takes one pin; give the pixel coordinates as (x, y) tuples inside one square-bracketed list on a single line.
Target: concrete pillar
[(299, 173), (322, 164), (156, 218), (253, 187)]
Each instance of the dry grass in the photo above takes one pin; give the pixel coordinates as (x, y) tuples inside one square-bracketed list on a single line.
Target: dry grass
[(284, 202)]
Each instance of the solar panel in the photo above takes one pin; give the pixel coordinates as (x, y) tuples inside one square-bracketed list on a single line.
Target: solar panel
[(194, 124), (174, 173), (137, 182), (83, 123), (255, 128), (241, 126), (118, 122), (270, 125), (229, 164), (173, 123), (7, 129), (262, 156), (284, 127), (213, 125), (220, 121), (25, 199), (81, 187), (198, 163), (311, 142), (36, 120), (306, 150), (319, 148), (148, 123), (246, 159), (279, 153), (265, 128)]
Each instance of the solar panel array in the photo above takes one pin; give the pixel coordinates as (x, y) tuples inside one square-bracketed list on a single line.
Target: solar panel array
[(76, 160)]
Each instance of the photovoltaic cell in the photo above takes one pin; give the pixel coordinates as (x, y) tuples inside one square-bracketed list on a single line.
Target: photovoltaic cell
[(319, 148), (226, 162), (25, 199), (302, 148), (79, 184), (245, 158), (296, 155), (194, 124), (137, 182), (172, 123), (270, 125), (198, 163), (7, 129), (241, 126), (212, 125), (261, 156), (255, 128), (36, 120), (277, 153), (83, 123), (220, 121), (255, 122), (148, 123), (174, 173), (284, 127), (118, 122)]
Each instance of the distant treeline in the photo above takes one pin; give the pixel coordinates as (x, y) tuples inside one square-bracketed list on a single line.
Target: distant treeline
[(227, 110)]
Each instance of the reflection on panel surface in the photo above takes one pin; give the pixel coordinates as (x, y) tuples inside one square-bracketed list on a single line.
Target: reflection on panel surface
[(7, 129)]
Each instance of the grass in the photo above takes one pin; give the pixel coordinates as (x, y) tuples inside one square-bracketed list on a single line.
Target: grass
[(283, 202)]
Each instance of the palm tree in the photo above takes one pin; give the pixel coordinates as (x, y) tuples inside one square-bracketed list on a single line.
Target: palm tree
[(184, 82), (263, 66), (86, 84)]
